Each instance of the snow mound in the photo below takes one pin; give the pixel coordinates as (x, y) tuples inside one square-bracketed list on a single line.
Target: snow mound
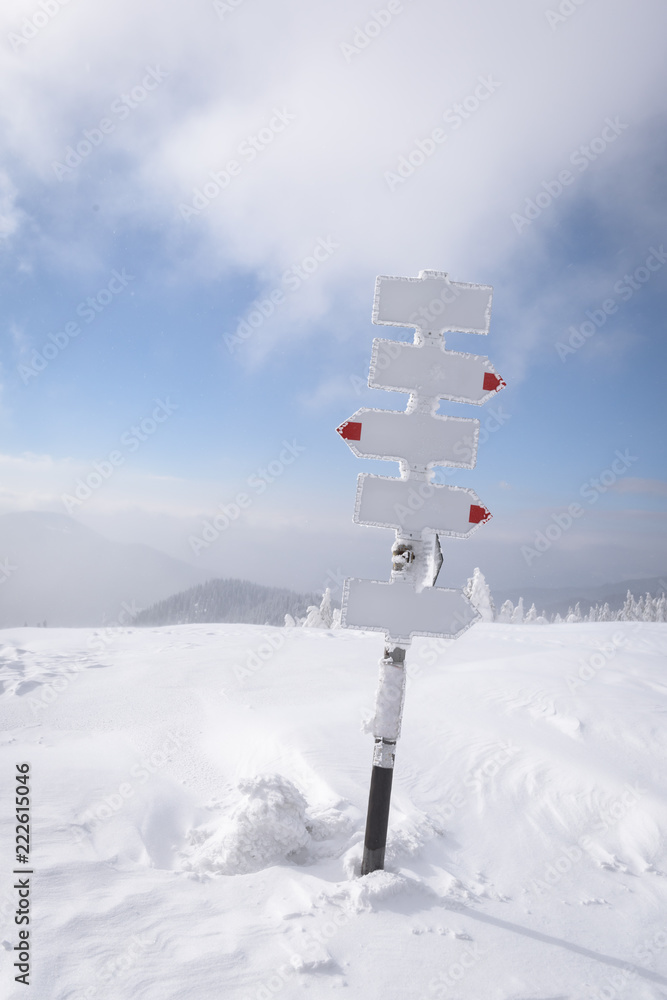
[(270, 824), (364, 895)]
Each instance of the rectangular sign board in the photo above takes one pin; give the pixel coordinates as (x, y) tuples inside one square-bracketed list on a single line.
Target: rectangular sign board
[(432, 372), (397, 609), (410, 505), (418, 438), (432, 303)]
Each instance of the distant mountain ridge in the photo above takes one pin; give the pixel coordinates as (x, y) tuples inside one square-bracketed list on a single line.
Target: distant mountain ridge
[(54, 569), (225, 601)]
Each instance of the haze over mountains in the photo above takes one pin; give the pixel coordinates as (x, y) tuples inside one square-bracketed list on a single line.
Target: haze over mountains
[(53, 569), (58, 571)]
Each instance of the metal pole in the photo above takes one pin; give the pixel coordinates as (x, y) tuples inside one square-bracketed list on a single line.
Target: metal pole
[(384, 751)]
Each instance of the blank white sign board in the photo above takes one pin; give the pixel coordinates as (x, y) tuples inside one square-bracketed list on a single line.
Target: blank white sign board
[(431, 302), (409, 505), (418, 438), (397, 609), (429, 370)]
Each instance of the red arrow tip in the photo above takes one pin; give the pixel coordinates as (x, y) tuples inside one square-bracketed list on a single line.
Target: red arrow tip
[(492, 381), (350, 430), (479, 515)]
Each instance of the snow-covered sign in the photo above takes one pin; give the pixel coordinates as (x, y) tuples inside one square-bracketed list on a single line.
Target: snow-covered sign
[(401, 612), (432, 303), (418, 438), (410, 604), (413, 506), (431, 371)]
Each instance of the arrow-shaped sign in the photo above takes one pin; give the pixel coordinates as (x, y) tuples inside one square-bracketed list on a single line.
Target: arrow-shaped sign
[(431, 371), (412, 506), (397, 609), (432, 303), (418, 438)]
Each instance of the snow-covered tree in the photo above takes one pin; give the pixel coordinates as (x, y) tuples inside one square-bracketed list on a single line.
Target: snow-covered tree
[(321, 617), (531, 616), (629, 610), (505, 613), (477, 591), (517, 614)]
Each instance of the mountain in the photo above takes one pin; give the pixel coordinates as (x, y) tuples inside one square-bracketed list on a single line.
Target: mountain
[(228, 601), (54, 569), (559, 599)]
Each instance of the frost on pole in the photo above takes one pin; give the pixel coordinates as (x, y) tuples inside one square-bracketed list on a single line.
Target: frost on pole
[(433, 303)]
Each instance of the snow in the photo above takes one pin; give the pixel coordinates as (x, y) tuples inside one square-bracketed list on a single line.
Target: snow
[(198, 827)]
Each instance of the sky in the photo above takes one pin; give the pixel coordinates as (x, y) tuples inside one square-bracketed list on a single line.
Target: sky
[(195, 201)]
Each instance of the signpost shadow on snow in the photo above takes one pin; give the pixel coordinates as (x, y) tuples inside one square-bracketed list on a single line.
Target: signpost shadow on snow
[(618, 963)]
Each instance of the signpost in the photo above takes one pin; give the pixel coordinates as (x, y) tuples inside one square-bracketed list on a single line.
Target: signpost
[(410, 604)]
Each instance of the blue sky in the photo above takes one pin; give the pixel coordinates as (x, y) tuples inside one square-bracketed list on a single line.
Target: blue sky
[(309, 132)]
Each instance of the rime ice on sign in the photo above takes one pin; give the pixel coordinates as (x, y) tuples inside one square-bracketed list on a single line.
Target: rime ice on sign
[(401, 612), (414, 506), (432, 303), (431, 371), (419, 439), (410, 604)]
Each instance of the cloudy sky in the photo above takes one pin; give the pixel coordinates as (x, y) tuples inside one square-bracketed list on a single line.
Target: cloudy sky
[(195, 200)]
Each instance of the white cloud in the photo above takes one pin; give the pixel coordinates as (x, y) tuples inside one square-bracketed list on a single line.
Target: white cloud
[(324, 173)]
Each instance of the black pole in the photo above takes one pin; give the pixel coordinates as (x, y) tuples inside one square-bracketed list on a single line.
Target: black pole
[(379, 798)]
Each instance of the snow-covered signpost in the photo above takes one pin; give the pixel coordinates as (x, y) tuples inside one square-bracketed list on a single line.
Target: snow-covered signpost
[(410, 604)]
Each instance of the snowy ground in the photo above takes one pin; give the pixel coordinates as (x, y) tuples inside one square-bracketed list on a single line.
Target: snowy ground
[(198, 814)]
